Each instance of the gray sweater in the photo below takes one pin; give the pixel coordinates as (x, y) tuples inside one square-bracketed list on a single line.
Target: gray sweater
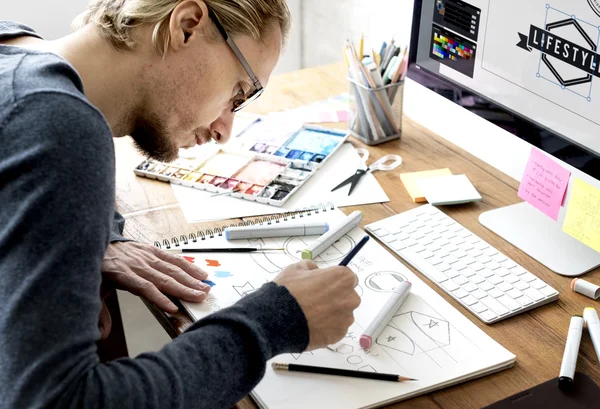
[(56, 215)]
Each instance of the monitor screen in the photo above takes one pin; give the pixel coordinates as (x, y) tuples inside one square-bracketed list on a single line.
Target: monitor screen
[(531, 67)]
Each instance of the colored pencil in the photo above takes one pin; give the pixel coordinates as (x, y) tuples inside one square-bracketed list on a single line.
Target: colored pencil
[(340, 372)]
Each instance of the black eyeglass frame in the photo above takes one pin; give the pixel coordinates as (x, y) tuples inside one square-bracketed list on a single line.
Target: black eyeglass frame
[(258, 88)]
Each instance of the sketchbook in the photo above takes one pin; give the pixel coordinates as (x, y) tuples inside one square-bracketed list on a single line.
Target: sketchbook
[(427, 339)]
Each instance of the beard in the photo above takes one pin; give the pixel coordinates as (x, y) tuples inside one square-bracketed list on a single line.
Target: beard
[(152, 139)]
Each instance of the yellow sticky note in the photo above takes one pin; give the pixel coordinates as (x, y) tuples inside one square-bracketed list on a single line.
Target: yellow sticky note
[(583, 214), (410, 182)]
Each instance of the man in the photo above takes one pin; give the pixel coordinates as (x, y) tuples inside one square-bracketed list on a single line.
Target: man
[(162, 72)]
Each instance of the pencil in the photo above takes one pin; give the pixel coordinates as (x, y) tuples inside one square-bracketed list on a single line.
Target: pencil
[(339, 372), (223, 250), (361, 46)]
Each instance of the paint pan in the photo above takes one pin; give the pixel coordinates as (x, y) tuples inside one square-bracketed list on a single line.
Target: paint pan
[(218, 180), (181, 173), (271, 149), (147, 166), (306, 156), (282, 152), (259, 147), (224, 164), (193, 176), (319, 141), (268, 192), (159, 168), (280, 195), (229, 184), (206, 179), (282, 180), (300, 174), (254, 190), (243, 187), (318, 158), (294, 154), (170, 171), (260, 172)]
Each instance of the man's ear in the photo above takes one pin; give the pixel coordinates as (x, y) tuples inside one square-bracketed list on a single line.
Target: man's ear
[(189, 20)]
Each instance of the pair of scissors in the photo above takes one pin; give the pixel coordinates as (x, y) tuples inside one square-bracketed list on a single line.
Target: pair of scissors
[(381, 164)]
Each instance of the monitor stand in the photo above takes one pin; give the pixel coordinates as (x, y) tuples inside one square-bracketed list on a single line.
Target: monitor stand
[(542, 238)]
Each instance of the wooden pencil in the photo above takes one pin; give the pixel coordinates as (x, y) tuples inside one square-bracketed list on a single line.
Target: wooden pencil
[(340, 372)]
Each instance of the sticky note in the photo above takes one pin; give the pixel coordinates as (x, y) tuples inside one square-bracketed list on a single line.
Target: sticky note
[(410, 182), (544, 183), (448, 190), (583, 214)]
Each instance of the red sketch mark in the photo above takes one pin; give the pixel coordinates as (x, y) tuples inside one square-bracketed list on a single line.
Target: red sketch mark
[(190, 259), (213, 263)]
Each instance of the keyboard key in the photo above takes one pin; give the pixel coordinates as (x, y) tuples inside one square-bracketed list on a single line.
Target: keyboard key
[(450, 259), (382, 233), (452, 273), (477, 266), (514, 293), (490, 251), (478, 308), (444, 267), (460, 280), (494, 292), (528, 278), (458, 241), (509, 303), (418, 248), (495, 279), (467, 272), (451, 248), (511, 278), (399, 245), (388, 239), (469, 260), (548, 291), (433, 247), (469, 300), (483, 259), (470, 287), (477, 279), (486, 273), (426, 254), (482, 245), (434, 261), (460, 293), (494, 305), (486, 286), (441, 253), (473, 252), (450, 285), (533, 294), (492, 265), (488, 316), (508, 263), (518, 270), (459, 266), (502, 272), (456, 228), (521, 285), (505, 286), (499, 258), (459, 253), (524, 301), (479, 294), (465, 234), (537, 284)]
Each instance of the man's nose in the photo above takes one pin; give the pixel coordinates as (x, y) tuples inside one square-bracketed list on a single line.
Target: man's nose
[(221, 128)]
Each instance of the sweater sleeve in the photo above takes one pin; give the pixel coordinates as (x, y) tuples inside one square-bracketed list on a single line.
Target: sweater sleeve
[(57, 195), (118, 224)]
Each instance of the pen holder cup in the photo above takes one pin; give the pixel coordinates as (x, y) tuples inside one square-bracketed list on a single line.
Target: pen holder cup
[(376, 113)]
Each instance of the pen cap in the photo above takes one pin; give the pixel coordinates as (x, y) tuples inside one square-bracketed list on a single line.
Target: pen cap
[(586, 288), (590, 316)]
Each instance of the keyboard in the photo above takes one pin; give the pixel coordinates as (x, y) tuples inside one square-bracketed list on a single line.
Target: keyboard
[(486, 282)]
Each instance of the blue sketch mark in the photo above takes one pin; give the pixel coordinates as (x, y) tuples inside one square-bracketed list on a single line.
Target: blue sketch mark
[(212, 284), (223, 274)]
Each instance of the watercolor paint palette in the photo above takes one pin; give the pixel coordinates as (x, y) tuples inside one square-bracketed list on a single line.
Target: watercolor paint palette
[(264, 169)]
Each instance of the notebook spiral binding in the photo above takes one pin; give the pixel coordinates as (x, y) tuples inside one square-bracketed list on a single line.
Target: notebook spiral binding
[(217, 231)]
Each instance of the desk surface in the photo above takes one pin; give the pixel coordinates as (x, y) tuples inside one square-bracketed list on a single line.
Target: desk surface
[(537, 337)]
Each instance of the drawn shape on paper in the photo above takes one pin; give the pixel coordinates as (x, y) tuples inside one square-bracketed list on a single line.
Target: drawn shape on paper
[(190, 258), (367, 368), (344, 349), (245, 289), (223, 274), (211, 283), (297, 356), (384, 281), (396, 340), (212, 263), (354, 360)]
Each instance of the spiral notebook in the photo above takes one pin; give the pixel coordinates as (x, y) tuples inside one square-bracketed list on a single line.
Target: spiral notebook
[(427, 339)]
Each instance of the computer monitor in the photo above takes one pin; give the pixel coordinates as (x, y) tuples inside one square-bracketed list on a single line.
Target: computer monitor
[(530, 68)]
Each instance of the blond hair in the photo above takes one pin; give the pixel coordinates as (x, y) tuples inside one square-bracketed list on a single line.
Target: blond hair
[(118, 19)]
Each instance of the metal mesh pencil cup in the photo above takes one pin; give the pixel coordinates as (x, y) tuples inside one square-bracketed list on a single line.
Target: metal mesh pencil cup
[(376, 113)]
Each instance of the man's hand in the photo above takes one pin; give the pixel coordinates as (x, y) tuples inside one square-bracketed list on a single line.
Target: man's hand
[(146, 270), (327, 298)]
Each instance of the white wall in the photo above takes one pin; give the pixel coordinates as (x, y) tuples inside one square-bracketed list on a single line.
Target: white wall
[(327, 24)]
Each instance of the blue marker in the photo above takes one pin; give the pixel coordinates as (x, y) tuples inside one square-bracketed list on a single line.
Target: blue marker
[(353, 252)]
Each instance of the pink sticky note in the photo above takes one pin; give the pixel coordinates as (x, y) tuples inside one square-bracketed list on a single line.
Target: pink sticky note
[(544, 183)]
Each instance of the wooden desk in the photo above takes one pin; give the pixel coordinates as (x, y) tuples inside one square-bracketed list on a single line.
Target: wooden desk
[(536, 337)]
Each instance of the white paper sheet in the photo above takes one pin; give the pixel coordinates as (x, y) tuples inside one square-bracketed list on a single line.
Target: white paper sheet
[(199, 206), (427, 338)]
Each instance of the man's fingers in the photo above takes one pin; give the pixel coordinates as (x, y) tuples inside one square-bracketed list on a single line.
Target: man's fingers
[(189, 268), (149, 291), (179, 275), (171, 286)]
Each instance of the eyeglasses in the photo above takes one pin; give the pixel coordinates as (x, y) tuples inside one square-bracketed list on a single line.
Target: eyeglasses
[(245, 100)]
